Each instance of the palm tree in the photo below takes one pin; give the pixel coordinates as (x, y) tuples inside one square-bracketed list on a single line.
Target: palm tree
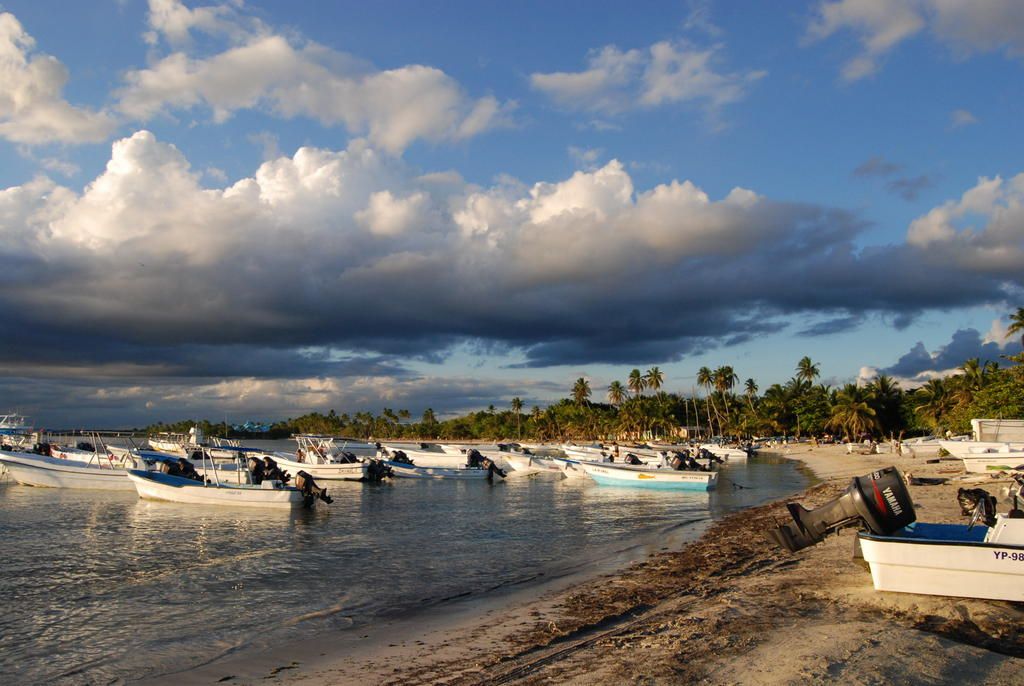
[(517, 407), (1017, 324), (636, 382), (750, 390), (852, 413), (934, 402), (806, 370), (654, 379), (581, 391), (724, 378), (706, 379), (616, 393)]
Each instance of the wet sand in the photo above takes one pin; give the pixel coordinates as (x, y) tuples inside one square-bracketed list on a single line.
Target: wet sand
[(729, 609)]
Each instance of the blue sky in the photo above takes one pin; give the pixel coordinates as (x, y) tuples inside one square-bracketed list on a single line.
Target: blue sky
[(259, 209)]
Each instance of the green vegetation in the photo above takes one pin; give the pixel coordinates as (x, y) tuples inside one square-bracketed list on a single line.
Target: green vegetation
[(800, 407)]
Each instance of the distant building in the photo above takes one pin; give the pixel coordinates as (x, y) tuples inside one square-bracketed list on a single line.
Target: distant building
[(252, 427)]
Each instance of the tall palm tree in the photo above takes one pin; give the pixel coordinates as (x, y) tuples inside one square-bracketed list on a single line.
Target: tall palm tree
[(581, 391), (750, 390), (724, 378), (616, 393), (654, 379), (1017, 324), (806, 370), (517, 407), (852, 413), (706, 379), (636, 382)]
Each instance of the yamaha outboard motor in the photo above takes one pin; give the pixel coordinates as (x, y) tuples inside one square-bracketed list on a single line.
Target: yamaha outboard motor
[(878, 501)]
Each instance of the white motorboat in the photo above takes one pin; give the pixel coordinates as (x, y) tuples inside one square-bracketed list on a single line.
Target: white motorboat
[(404, 470), (177, 489), (427, 454), (980, 452), (523, 465), (725, 453), (608, 474), (326, 457), (950, 559), (54, 472)]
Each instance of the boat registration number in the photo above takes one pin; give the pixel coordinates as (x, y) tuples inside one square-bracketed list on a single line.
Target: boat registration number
[(1003, 555)]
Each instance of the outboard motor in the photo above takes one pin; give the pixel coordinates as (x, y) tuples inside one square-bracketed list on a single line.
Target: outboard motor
[(310, 490), (400, 456), (632, 459), (878, 501), (474, 460), (377, 470), (255, 466), (492, 469)]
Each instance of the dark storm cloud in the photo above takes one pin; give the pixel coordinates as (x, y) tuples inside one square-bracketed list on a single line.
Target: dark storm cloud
[(964, 345)]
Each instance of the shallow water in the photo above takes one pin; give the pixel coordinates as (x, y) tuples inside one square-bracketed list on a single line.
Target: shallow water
[(102, 587)]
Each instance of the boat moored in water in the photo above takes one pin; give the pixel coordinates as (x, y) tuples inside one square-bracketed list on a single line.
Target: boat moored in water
[(610, 474)]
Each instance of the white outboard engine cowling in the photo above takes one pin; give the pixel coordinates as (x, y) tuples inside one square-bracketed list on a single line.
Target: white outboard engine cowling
[(878, 501)]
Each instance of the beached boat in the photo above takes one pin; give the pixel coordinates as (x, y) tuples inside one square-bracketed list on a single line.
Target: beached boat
[(608, 474), (950, 559), (54, 472), (970, 450)]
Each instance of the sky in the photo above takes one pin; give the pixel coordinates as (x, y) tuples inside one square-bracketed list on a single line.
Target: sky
[(252, 210)]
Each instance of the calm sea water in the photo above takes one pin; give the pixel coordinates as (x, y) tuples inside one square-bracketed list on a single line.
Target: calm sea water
[(102, 587)]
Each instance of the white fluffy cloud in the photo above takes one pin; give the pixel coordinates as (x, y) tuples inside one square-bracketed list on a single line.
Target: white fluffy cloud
[(665, 73), (983, 230), (269, 71), (881, 25), (32, 110)]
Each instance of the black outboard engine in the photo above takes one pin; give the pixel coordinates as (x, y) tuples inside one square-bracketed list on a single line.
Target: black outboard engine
[(311, 491), (632, 459), (878, 501), (377, 470), (474, 460), (400, 456)]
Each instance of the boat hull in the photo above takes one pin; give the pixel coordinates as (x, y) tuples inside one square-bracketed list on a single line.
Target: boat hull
[(651, 478), (331, 471), (933, 562), (52, 472), (154, 486), (525, 465), (403, 471)]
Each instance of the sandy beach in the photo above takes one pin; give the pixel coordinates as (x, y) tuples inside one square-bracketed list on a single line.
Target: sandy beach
[(729, 609)]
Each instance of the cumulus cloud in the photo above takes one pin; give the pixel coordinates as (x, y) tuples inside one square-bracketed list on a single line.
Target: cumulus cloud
[(881, 25), (616, 81), (32, 109), (291, 78), (982, 231)]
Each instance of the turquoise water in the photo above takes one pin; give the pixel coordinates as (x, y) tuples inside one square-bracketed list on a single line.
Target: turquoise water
[(102, 587)]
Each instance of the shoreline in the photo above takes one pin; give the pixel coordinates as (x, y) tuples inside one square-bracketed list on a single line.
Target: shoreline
[(686, 615)]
